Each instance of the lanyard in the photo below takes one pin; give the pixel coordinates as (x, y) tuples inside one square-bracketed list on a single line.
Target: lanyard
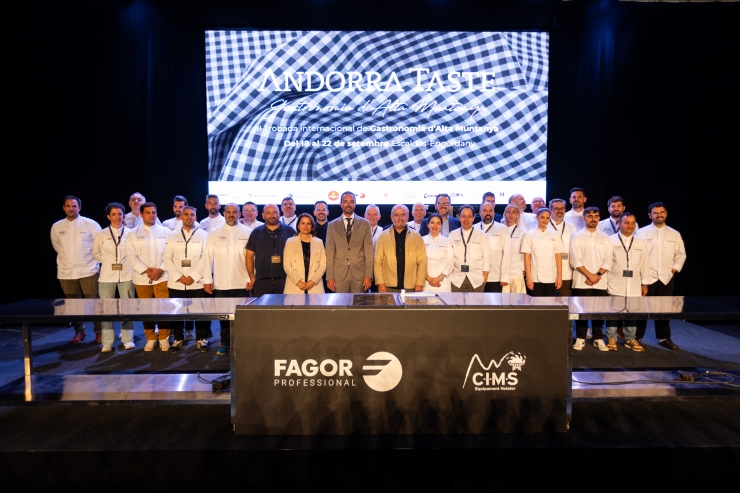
[(489, 227), (114, 239), (627, 250), (291, 222), (188, 240), (512, 231), (614, 228), (274, 235), (465, 244), (374, 230), (556, 228)]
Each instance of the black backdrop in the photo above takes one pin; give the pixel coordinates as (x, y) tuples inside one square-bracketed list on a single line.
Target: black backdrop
[(110, 99)]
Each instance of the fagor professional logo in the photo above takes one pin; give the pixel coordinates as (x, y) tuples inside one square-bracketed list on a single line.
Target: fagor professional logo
[(382, 372), (389, 371), (488, 378)]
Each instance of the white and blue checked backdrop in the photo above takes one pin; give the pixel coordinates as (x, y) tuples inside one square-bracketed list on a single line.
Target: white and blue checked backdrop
[(242, 148)]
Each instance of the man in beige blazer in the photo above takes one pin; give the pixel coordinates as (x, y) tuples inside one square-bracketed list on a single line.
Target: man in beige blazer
[(400, 255), (349, 250)]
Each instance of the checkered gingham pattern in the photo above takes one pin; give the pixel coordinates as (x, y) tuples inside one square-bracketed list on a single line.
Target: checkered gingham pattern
[(243, 148)]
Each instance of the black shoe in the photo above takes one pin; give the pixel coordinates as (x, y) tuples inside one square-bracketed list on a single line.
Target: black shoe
[(176, 346), (668, 344)]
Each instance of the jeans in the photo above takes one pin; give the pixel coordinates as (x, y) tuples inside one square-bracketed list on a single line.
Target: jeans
[(107, 290)]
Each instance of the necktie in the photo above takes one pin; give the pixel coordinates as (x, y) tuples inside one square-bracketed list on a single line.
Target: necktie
[(349, 229)]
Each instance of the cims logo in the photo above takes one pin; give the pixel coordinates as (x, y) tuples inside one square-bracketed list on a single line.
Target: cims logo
[(333, 195), (490, 379), (382, 372)]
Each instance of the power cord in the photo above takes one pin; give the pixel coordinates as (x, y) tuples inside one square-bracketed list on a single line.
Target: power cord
[(221, 382)]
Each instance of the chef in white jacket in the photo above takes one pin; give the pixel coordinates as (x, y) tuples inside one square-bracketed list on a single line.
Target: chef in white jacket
[(498, 240), (628, 277), (184, 261), (472, 254), (440, 257), (77, 269), (666, 256), (515, 233), (225, 273), (109, 248), (145, 254)]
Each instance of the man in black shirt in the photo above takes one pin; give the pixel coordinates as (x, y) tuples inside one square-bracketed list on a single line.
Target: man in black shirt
[(265, 253), (321, 213)]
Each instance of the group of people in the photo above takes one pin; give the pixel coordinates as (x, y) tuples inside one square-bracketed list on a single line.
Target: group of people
[(546, 252)]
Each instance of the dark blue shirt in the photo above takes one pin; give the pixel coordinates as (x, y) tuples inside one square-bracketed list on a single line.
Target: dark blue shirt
[(265, 244)]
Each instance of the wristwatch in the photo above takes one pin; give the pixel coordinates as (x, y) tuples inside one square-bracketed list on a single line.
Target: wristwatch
[(442, 277), (598, 274)]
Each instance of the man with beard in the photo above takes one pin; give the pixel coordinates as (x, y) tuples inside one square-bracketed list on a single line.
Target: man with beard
[(498, 240), (590, 255), (264, 253), (214, 219), (564, 230), (249, 216), (666, 256), (321, 214), (178, 203), (442, 204), (184, 260), (616, 208), (349, 250), (226, 274), (77, 269), (145, 254), (575, 214)]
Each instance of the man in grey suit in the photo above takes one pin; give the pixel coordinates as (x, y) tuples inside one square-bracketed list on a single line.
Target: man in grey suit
[(349, 250)]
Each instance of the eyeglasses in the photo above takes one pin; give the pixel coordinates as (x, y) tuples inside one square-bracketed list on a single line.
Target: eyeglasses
[(443, 203)]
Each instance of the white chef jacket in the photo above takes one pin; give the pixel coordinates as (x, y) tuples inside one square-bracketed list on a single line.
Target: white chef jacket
[(609, 226), (174, 224), (106, 252), (440, 260), (292, 222), (225, 257), (542, 245), (593, 251), (194, 243), (250, 226), (209, 224), (528, 219), (478, 256), (576, 219), (412, 225), (617, 284), (73, 242), (516, 235), (145, 249), (665, 251), (498, 241), (374, 234), (565, 230), (131, 221)]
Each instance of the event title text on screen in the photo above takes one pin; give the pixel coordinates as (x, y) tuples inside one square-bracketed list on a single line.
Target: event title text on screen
[(373, 81)]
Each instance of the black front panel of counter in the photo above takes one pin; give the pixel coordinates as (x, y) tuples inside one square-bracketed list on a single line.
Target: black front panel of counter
[(338, 371)]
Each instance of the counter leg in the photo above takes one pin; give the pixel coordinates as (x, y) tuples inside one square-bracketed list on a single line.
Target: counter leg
[(27, 350)]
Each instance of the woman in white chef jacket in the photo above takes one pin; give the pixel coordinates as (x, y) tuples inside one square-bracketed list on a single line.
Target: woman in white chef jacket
[(542, 251), (304, 259), (516, 235), (440, 258)]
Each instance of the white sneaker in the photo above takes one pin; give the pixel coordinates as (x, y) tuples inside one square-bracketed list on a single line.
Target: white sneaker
[(599, 343), (589, 334), (164, 345), (106, 349), (120, 336), (578, 345), (150, 345), (129, 345)]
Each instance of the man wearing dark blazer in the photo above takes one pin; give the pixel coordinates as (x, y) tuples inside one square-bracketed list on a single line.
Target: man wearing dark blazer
[(442, 204), (349, 250)]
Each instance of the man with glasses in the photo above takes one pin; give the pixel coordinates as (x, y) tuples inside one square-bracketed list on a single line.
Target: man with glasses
[(442, 204)]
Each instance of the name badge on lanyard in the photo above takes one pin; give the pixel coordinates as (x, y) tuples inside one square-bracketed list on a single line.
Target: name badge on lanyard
[(626, 273), (186, 263), (116, 266), (276, 259)]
